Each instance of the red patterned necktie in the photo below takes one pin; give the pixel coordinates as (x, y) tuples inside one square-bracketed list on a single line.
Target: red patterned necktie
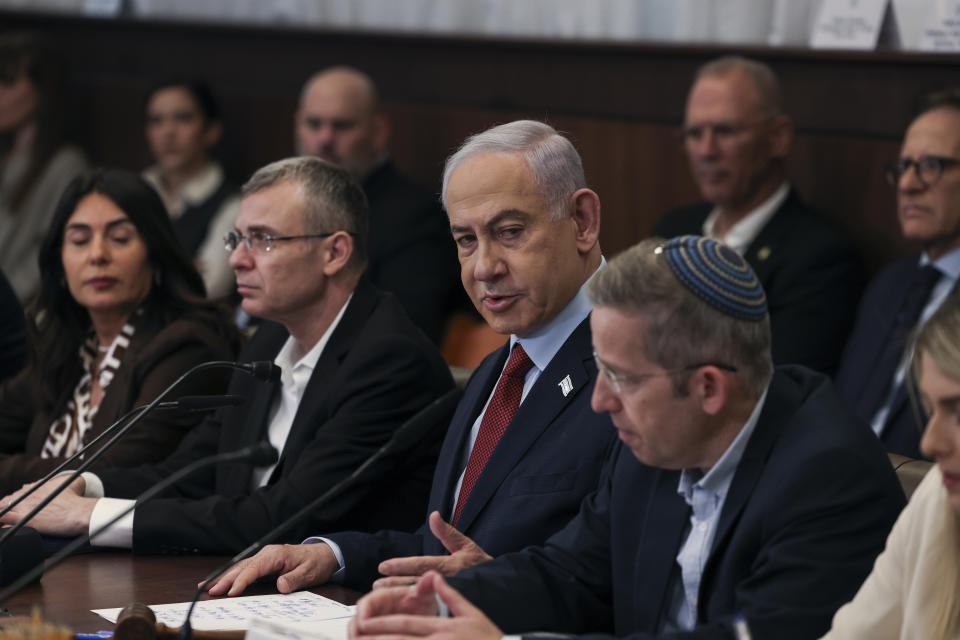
[(503, 405)]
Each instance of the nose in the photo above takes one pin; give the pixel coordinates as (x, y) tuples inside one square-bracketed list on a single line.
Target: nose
[(488, 264), (910, 180), (241, 257), (604, 398), (99, 250), (705, 144), (936, 442)]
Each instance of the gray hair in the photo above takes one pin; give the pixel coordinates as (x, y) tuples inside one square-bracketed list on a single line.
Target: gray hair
[(552, 159), (760, 74), (681, 329), (333, 200)]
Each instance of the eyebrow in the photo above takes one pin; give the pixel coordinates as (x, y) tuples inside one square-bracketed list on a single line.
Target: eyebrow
[(495, 220), (109, 225)]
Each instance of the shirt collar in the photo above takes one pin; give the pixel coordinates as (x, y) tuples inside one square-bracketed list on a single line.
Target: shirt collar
[(542, 344), (745, 230), (194, 191), (948, 263), (309, 360), (717, 480)]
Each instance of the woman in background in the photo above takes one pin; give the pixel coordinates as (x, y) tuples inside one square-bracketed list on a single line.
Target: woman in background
[(182, 125), (121, 315), (35, 164), (914, 589)]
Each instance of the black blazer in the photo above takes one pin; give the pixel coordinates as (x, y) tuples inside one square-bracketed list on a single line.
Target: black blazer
[(411, 251), (807, 512), (811, 274), (376, 371), (548, 459), (864, 375)]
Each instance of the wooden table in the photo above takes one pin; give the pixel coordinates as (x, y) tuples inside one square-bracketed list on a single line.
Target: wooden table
[(115, 579)]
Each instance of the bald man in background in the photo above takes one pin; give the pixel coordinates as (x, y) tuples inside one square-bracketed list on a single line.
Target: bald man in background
[(411, 253)]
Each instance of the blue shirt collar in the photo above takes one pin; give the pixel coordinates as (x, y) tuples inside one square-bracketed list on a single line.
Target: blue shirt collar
[(948, 263), (542, 344), (717, 480)]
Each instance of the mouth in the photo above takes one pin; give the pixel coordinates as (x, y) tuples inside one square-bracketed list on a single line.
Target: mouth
[(498, 303), (244, 288), (101, 282), (950, 480)]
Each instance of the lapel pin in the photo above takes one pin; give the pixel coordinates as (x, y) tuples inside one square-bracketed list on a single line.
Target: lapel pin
[(566, 386), (763, 253)]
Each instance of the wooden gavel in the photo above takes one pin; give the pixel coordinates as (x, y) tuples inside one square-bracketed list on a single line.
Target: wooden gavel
[(138, 622)]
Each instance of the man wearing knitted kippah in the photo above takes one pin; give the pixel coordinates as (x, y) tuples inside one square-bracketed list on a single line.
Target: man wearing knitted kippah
[(737, 138), (745, 497)]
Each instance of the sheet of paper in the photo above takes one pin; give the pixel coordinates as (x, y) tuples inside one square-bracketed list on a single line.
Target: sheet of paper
[(235, 613), (850, 24), (335, 629)]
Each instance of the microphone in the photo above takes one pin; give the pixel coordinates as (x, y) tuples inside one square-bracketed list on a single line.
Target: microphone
[(260, 454), (262, 370), (432, 418), (193, 404)]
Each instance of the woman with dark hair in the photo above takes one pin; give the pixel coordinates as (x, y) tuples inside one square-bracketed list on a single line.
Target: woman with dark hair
[(182, 125), (35, 165), (120, 315)]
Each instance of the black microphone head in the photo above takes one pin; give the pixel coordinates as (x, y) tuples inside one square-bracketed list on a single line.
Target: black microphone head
[(262, 454), (264, 370)]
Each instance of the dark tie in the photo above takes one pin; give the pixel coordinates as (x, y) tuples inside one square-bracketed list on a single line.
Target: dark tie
[(503, 405), (881, 384)]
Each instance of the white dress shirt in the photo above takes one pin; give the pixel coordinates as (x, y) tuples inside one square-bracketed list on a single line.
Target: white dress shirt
[(294, 376), (744, 231)]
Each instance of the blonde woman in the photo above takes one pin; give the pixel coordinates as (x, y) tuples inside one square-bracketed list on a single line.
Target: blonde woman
[(914, 589)]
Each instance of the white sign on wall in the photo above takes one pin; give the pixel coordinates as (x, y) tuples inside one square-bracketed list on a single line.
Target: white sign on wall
[(855, 24), (941, 30)]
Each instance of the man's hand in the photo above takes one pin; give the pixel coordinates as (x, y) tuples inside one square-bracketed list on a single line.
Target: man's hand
[(299, 566), (464, 553), (68, 514), (410, 612)]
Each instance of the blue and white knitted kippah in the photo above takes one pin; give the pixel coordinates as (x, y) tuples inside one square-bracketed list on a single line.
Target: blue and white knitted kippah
[(716, 274)]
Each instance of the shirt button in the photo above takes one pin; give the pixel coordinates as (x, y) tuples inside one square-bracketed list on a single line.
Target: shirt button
[(703, 527)]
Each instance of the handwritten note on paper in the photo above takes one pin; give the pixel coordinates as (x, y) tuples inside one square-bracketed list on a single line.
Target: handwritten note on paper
[(235, 613)]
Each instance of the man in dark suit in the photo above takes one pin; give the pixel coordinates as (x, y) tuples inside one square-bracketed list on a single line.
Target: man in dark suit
[(737, 139), (411, 255), (743, 497), (873, 370), (526, 229), (354, 368)]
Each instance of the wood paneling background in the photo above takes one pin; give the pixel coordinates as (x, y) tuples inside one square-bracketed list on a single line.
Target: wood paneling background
[(621, 104)]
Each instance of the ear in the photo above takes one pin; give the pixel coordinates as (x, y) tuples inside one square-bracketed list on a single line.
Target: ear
[(337, 251), (212, 134), (586, 217), (711, 387), (781, 136), (381, 132)]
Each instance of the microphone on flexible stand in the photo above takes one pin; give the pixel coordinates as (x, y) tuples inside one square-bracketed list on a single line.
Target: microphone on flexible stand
[(411, 433), (264, 370), (261, 454)]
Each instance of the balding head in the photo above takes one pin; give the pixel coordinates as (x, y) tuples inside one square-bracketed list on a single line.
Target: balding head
[(339, 120)]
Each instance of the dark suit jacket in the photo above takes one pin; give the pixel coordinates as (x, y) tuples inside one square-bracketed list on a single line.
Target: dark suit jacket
[(548, 459), (811, 274), (411, 251), (158, 354), (376, 371), (808, 510), (864, 376)]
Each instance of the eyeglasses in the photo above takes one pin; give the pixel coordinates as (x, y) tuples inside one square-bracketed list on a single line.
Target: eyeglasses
[(621, 380), (928, 168), (263, 242)]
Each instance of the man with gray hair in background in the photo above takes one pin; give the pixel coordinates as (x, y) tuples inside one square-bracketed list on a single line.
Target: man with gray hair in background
[(353, 369), (523, 447), (744, 496), (340, 119), (737, 138)]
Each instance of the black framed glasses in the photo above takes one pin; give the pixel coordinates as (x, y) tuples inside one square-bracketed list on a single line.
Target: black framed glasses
[(928, 168), (618, 381), (263, 242)]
